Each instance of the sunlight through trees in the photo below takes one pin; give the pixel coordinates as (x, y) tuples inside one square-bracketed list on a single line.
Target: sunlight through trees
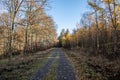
[(99, 28), (25, 27)]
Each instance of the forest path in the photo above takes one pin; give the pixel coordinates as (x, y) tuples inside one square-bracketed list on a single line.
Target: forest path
[(58, 67)]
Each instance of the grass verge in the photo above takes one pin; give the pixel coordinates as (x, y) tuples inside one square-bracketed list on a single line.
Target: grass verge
[(82, 68), (22, 68)]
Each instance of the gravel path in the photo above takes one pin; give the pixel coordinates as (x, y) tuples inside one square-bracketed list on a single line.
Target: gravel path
[(64, 71)]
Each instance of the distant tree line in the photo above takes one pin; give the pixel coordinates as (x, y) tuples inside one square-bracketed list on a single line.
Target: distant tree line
[(98, 30)]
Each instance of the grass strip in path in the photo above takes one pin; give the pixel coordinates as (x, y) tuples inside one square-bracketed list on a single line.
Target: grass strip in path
[(52, 74), (44, 69)]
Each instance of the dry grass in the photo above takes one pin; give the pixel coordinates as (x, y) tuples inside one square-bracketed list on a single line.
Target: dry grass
[(23, 67), (94, 67)]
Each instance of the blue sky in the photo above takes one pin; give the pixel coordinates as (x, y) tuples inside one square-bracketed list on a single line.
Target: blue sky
[(66, 13)]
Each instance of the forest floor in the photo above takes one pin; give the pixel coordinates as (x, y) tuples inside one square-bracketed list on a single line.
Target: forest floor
[(22, 67), (60, 64), (52, 64), (94, 67)]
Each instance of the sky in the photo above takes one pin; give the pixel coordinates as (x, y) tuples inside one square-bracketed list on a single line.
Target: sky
[(66, 13)]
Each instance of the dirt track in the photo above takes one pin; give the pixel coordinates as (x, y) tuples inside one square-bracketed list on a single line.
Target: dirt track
[(64, 69)]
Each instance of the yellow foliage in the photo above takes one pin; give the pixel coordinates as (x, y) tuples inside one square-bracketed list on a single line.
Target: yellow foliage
[(68, 36), (108, 1)]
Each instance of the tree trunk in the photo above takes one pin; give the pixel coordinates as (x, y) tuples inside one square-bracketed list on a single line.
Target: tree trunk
[(26, 38), (115, 40), (97, 34)]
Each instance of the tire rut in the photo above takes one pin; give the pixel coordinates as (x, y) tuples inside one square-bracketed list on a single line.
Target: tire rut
[(64, 71), (44, 70)]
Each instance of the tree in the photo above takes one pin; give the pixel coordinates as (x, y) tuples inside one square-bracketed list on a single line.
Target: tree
[(12, 7), (67, 39), (25, 27), (113, 9), (33, 13), (62, 38), (95, 6)]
